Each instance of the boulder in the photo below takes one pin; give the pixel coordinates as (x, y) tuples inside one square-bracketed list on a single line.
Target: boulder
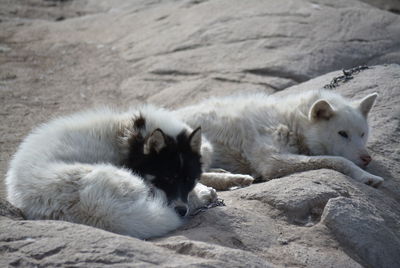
[(61, 56), (357, 224), (56, 243)]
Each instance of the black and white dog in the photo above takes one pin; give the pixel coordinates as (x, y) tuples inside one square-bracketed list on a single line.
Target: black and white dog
[(132, 173)]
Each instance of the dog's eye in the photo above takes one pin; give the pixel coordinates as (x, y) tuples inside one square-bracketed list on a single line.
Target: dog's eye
[(343, 134), (362, 135)]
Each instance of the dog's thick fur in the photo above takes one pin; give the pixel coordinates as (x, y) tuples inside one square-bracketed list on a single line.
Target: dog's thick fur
[(129, 173), (269, 136)]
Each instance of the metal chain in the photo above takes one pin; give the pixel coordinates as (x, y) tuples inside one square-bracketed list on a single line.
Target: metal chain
[(346, 76), (217, 203)]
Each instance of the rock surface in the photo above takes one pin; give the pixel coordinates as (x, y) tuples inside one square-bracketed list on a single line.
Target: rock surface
[(368, 235), (61, 56)]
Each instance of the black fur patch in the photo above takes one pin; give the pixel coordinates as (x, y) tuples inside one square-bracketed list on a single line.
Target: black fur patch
[(176, 167), (139, 122)]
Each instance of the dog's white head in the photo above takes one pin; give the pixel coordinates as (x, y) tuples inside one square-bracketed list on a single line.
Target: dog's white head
[(338, 127)]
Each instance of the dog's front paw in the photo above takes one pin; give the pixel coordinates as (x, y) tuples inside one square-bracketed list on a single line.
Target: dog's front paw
[(240, 180), (202, 196), (370, 179), (223, 181), (206, 194)]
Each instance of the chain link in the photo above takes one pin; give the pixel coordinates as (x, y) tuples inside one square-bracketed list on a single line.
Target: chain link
[(217, 203), (346, 76)]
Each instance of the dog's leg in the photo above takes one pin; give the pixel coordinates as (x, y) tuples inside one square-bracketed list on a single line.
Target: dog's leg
[(201, 196), (279, 165), (222, 181)]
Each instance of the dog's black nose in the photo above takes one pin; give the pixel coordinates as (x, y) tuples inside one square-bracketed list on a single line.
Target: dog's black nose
[(366, 159), (181, 210)]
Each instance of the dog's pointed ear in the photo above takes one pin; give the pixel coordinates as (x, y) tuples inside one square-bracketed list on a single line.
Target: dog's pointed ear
[(366, 104), (155, 142), (195, 140), (321, 110)]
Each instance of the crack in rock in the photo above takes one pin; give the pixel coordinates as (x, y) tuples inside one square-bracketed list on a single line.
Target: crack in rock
[(277, 73), (173, 72), (54, 251)]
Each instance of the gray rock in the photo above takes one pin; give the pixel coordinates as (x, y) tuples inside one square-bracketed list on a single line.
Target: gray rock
[(389, 5), (301, 197), (56, 243), (174, 53), (358, 225), (9, 211)]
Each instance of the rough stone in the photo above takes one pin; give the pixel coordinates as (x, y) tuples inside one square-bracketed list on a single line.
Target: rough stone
[(357, 224), (301, 197), (58, 57), (9, 211), (53, 244)]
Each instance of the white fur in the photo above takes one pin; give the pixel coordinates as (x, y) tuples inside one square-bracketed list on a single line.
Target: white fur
[(69, 169), (270, 136)]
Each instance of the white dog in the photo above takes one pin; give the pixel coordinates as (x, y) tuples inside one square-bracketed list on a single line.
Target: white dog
[(131, 173), (272, 136)]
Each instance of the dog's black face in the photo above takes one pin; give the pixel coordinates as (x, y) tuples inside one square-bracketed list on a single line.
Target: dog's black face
[(176, 167), (172, 164)]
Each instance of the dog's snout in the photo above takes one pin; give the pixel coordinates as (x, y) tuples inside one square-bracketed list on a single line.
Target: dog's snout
[(366, 159), (181, 210)]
